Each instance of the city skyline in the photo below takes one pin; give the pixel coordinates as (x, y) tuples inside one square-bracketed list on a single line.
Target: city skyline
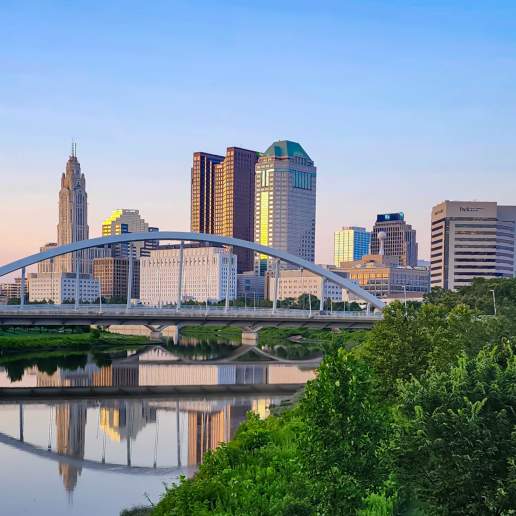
[(414, 95)]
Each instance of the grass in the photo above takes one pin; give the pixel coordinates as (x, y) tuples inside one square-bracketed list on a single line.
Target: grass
[(16, 342)]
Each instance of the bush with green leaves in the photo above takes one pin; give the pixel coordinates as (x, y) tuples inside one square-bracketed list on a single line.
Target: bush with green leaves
[(344, 428), (456, 445)]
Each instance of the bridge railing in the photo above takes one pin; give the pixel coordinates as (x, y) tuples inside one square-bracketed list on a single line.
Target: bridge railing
[(193, 311)]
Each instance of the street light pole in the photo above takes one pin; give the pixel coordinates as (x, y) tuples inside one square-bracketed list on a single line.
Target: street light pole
[(494, 301)]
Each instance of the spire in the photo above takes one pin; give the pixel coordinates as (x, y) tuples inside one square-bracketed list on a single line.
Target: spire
[(74, 149)]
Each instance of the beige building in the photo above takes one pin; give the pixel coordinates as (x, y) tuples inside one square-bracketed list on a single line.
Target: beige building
[(112, 273), (384, 278), (471, 239), (295, 283), (73, 216)]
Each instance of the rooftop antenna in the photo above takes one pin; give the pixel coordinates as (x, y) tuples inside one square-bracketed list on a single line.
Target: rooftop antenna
[(74, 149)]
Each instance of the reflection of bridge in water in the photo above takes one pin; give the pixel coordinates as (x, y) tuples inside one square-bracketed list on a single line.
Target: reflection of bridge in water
[(189, 430), (102, 433)]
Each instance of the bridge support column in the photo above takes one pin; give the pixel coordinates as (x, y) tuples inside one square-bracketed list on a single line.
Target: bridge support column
[(276, 285), (156, 335), (130, 277), (172, 332), (21, 422), (250, 335), (22, 288), (77, 282), (180, 275)]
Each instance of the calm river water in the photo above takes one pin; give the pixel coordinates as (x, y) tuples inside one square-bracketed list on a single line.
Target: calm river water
[(97, 456)]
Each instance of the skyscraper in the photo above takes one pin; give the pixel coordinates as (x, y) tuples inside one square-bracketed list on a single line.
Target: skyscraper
[(285, 189), (202, 219), (469, 240), (350, 243), (123, 221), (223, 197), (73, 214), (400, 241)]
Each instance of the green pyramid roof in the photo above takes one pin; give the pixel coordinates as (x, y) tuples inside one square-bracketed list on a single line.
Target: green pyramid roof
[(286, 149)]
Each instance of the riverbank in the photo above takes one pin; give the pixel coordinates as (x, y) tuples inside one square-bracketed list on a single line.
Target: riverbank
[(11, 342)]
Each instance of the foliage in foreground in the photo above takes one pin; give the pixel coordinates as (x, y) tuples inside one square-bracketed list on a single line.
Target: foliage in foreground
[(418, 420), (456, 446)]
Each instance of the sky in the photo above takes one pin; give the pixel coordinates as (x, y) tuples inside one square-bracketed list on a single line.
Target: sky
[(401, 104)]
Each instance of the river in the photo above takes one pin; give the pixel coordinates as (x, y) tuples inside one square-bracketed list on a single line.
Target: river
[(63, 452)]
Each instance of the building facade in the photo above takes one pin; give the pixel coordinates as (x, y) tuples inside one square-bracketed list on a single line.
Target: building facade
[(285, 192), (296, 282), (122, 221), (11, 290), (112, 273), (223, 197), (60, 287), (208, 272), (383, 277), (202, 205), (250, 285), (350, 243), (234, 201), (400, 241), (73, 216), (471, 239)]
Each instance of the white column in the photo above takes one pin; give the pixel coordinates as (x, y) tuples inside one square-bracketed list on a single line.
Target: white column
[(276, 285), (130, 277), (228, 261), (180, 275), (77, 282), (22, 288), (321, 302)]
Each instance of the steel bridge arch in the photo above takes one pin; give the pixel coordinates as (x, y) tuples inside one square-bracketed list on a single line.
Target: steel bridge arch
[(194, 237)]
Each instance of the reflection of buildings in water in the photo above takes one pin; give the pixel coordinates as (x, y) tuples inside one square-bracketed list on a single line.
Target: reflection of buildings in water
[(125, 419), (70, 439), (89, 376)]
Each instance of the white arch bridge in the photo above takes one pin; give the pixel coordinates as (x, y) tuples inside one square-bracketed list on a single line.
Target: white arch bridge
[(250, 320)]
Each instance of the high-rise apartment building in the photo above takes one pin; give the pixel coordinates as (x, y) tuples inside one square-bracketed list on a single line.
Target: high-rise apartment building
[(400, 241), (122, 221), (471, 239), (73, 215), (223, 197), (350, 243), (202, 219), (285, 190)]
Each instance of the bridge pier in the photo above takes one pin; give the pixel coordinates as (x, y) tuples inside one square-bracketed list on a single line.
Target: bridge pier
[(250, 335), (156, 336)]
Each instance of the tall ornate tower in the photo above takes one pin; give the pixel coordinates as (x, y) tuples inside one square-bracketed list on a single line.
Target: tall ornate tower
[(73, 212)]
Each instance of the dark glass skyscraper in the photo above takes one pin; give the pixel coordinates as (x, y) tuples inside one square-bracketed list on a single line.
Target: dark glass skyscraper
[(223, 197)]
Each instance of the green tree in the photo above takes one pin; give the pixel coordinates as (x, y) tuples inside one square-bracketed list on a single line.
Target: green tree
[(342, 438), (456, 445), (432, 336)]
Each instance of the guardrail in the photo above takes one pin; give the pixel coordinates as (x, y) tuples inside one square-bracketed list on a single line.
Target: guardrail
[(193, 311)]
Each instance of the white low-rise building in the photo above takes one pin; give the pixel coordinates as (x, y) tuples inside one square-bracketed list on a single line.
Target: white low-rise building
[(207, 273), (60, 287)]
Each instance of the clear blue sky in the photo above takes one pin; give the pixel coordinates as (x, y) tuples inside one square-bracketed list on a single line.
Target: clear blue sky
[(401, 104)]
